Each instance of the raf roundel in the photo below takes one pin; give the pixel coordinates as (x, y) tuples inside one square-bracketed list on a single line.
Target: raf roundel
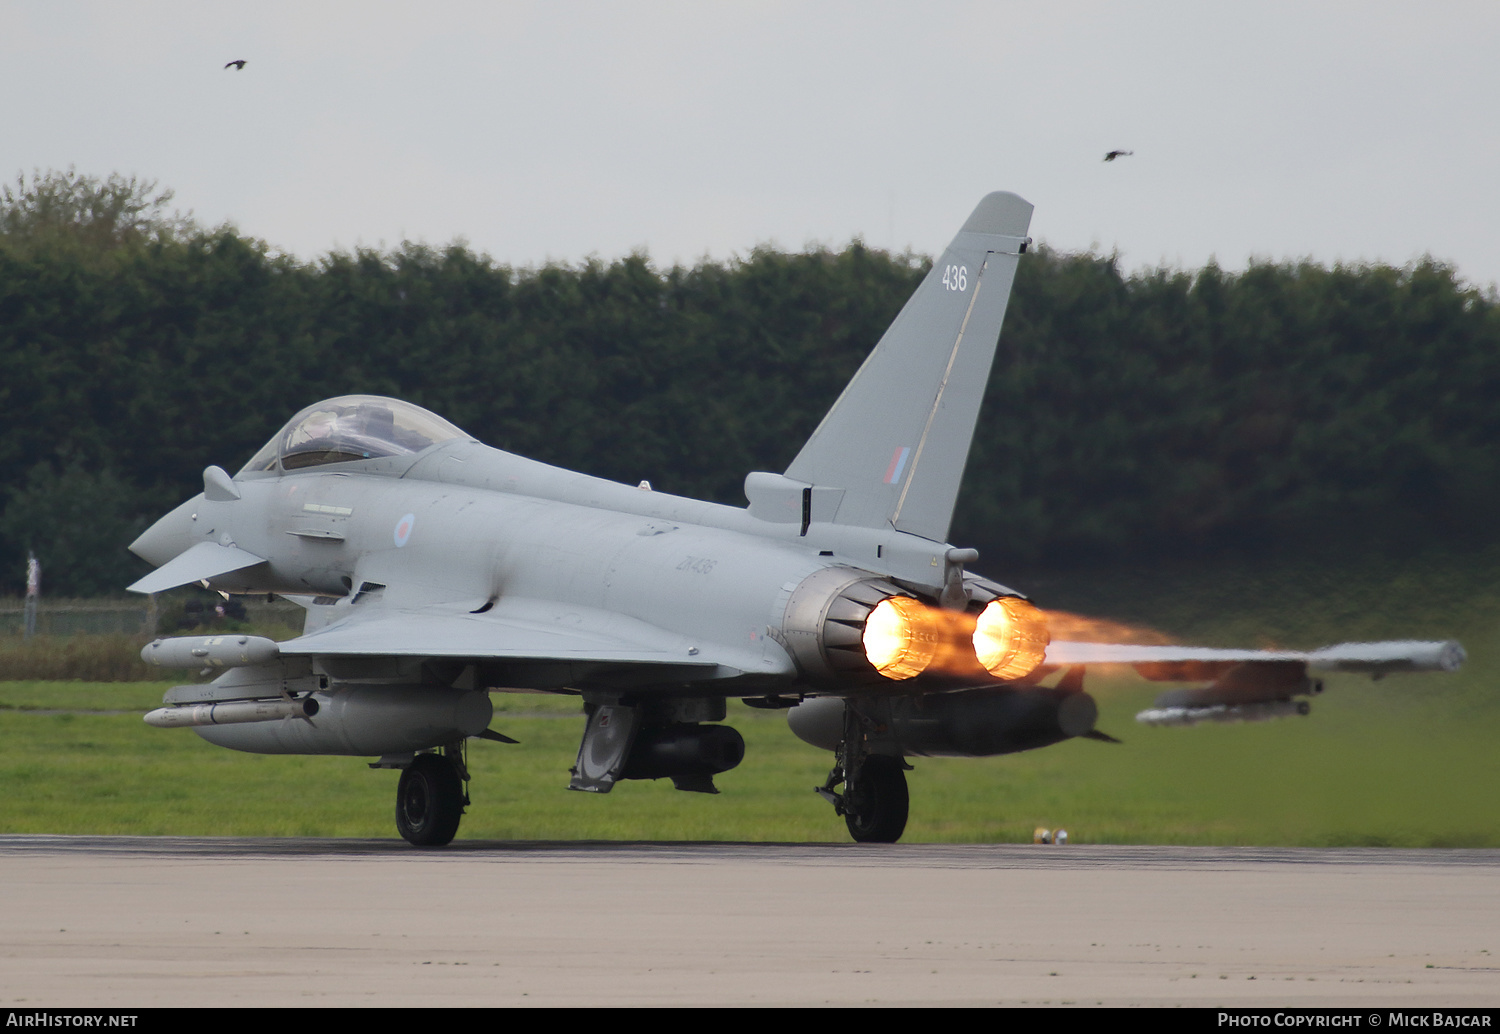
[(403, 529)]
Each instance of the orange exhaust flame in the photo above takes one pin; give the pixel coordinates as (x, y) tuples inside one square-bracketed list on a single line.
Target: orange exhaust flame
[(1011, 637), (895, 639), (904, 637)]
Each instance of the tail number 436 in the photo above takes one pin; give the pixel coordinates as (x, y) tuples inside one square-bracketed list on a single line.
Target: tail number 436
[(956, 278)]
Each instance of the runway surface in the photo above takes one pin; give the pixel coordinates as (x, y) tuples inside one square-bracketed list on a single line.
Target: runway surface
[(147, 921)]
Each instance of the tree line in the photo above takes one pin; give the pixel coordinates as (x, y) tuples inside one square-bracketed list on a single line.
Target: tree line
[(1128, 413)]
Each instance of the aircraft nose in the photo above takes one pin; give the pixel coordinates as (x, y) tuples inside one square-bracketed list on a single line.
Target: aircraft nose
[(169, 536)]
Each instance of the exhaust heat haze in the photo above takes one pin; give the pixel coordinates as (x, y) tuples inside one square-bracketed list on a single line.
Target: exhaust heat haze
[(1080, 628)]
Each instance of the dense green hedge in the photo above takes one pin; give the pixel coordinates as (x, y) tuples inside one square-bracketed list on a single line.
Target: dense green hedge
[(1127, 413)]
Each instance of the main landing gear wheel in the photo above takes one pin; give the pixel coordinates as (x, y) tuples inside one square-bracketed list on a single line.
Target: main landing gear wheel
[(875, 807), (429, 801)]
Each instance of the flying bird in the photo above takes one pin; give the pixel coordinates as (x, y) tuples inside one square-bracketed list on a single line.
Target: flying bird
[(240, 65), (1111, 156)]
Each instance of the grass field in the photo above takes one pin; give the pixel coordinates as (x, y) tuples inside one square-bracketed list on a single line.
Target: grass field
[(1407, 761), (1356, 771)]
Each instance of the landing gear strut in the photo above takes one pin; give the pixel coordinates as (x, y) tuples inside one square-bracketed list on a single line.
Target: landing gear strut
[(430, 799), (875, 801)]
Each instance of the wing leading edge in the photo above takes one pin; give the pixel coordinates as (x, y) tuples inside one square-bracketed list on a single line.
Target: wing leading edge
[(512, 630), (528, 643)]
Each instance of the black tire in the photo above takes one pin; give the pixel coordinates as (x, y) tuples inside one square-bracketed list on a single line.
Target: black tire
[(875, 810), (429, 801)]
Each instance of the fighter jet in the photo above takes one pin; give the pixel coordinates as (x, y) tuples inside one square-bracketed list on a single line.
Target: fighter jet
[(434, 569)]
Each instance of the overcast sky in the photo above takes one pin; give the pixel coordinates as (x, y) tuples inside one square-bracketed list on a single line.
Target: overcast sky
[(559, 130)]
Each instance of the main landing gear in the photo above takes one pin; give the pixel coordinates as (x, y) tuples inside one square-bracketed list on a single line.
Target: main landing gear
[(430, 799), (875, 801)]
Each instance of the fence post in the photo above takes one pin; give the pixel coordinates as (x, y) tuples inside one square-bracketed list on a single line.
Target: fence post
[(33, 592)]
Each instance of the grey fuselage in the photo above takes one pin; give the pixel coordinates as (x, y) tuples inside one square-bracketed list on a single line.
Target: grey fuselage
[(464, 523)]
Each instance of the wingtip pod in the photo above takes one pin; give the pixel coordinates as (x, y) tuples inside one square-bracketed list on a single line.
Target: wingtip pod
[(1455, 656), (1392, 656)]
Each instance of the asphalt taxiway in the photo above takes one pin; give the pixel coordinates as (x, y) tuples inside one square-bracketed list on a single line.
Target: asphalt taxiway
[(149, 921)]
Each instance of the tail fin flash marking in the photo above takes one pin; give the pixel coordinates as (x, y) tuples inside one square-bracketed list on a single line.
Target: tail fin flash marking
[(898, 463)]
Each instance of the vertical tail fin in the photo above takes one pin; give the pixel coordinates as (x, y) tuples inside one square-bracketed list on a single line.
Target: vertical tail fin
[(897, 439)]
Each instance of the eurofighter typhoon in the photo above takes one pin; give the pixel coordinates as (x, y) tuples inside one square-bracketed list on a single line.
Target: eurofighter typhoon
[(434, 569)]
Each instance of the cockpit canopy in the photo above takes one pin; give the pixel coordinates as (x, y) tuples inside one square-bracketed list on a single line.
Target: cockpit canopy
[(351, 428)]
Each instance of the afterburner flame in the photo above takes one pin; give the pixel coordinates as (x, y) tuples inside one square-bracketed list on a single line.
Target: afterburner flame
[(1011, 638), (905, 637), (901, 639)]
